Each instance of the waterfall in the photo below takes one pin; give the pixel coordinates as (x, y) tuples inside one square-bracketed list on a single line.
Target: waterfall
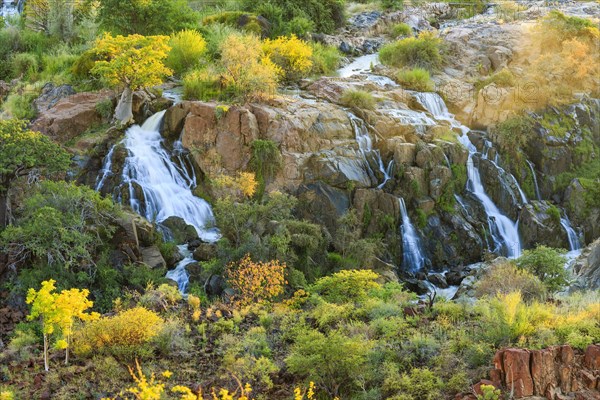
[(504, 232), (179, 274), (574, 243), (166, 190), (488, 145), (10, 7), (535, 182), (413, 258), (365, 145)]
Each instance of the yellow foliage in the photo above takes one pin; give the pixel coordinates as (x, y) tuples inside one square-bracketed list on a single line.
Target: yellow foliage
[(134, 61), (6, 395), (292, 55), (256, 282), (242, 185), (248, 72), (130, 328)]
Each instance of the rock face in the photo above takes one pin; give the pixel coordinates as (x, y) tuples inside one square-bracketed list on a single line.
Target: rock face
[(71, 116), (51, 95), (587, 267), (537, 227), (555, 373)]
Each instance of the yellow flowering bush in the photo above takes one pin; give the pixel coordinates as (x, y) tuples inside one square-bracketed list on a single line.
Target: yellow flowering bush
[(292, 55), (126, 334), (256, 282)]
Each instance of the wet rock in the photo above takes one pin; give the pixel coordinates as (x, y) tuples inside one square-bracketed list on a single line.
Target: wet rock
[(405, 153), (364, 20), (179, 230), (214, 285), (153, 258), (205, 252), (196, 273), (322, 203), (538, 227), (583, 213), (587, 267), (438, 280), (50, 95), (371, 205), (346, 48)]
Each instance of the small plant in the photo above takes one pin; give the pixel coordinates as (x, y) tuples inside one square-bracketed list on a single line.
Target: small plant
[(415, 79), (325, 59), (358, 99), (105, 109), (547, 264), (201, 84), (424, 51), (489, 392)]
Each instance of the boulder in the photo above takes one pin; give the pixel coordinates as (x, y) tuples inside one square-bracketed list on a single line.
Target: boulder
[(538, 227), (214, 285), (153, 258), (71, 116), (587, 267), (372, 205), (179, 231), (51, 95), (205, 252)]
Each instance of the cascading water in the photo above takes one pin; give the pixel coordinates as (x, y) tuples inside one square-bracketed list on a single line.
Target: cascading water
[(10, 7), (535, 181), (165, 186), (413, 258), (504, 232), (496, 163), (574, 243), (365, 145), (160, 186)]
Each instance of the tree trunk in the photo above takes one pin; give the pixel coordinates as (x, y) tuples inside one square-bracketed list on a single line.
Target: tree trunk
[(4, 209), (123, 112), (46, 367)]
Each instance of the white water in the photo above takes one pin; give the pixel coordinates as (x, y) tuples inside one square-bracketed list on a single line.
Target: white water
[(106, 169), (413, 258), (179, 274), (167, 188), (8, 8), (505, 232), (488, 145), (535, 181), (360, 65), (574, 243), (365, 145)]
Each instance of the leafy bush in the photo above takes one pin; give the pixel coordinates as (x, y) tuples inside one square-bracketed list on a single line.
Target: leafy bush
[(358, 99), (424, 51), (292, 55), (105, 109), (559, 27), (325, 59), (202, 84), (418, 384), (345, 286), (256, 282), (392, 4), (332, 360), (489, 392), (127, 334), (505, 278), (265, 162), (247, 73), (415, 79), (547, 264), (215, 35), (19, 104), (503, 78), (187, 47), (401, 29), (24, 65)]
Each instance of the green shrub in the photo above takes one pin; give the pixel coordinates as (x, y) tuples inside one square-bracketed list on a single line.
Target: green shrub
[(345, 286), (358, 99), (489, 392), (424, 51), (401, 29), (392, 4), (325, 59), (105, 109), (505, 278), (201, 84), (332, 360), (187, 47), (547, 264), (418, 384), (415, 79), (19, 104), (554, 214), (503, 78), (300, 26), (24, 65)]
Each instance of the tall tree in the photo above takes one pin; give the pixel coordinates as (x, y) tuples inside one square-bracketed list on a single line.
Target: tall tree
[(131, 62), (25, 153)]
